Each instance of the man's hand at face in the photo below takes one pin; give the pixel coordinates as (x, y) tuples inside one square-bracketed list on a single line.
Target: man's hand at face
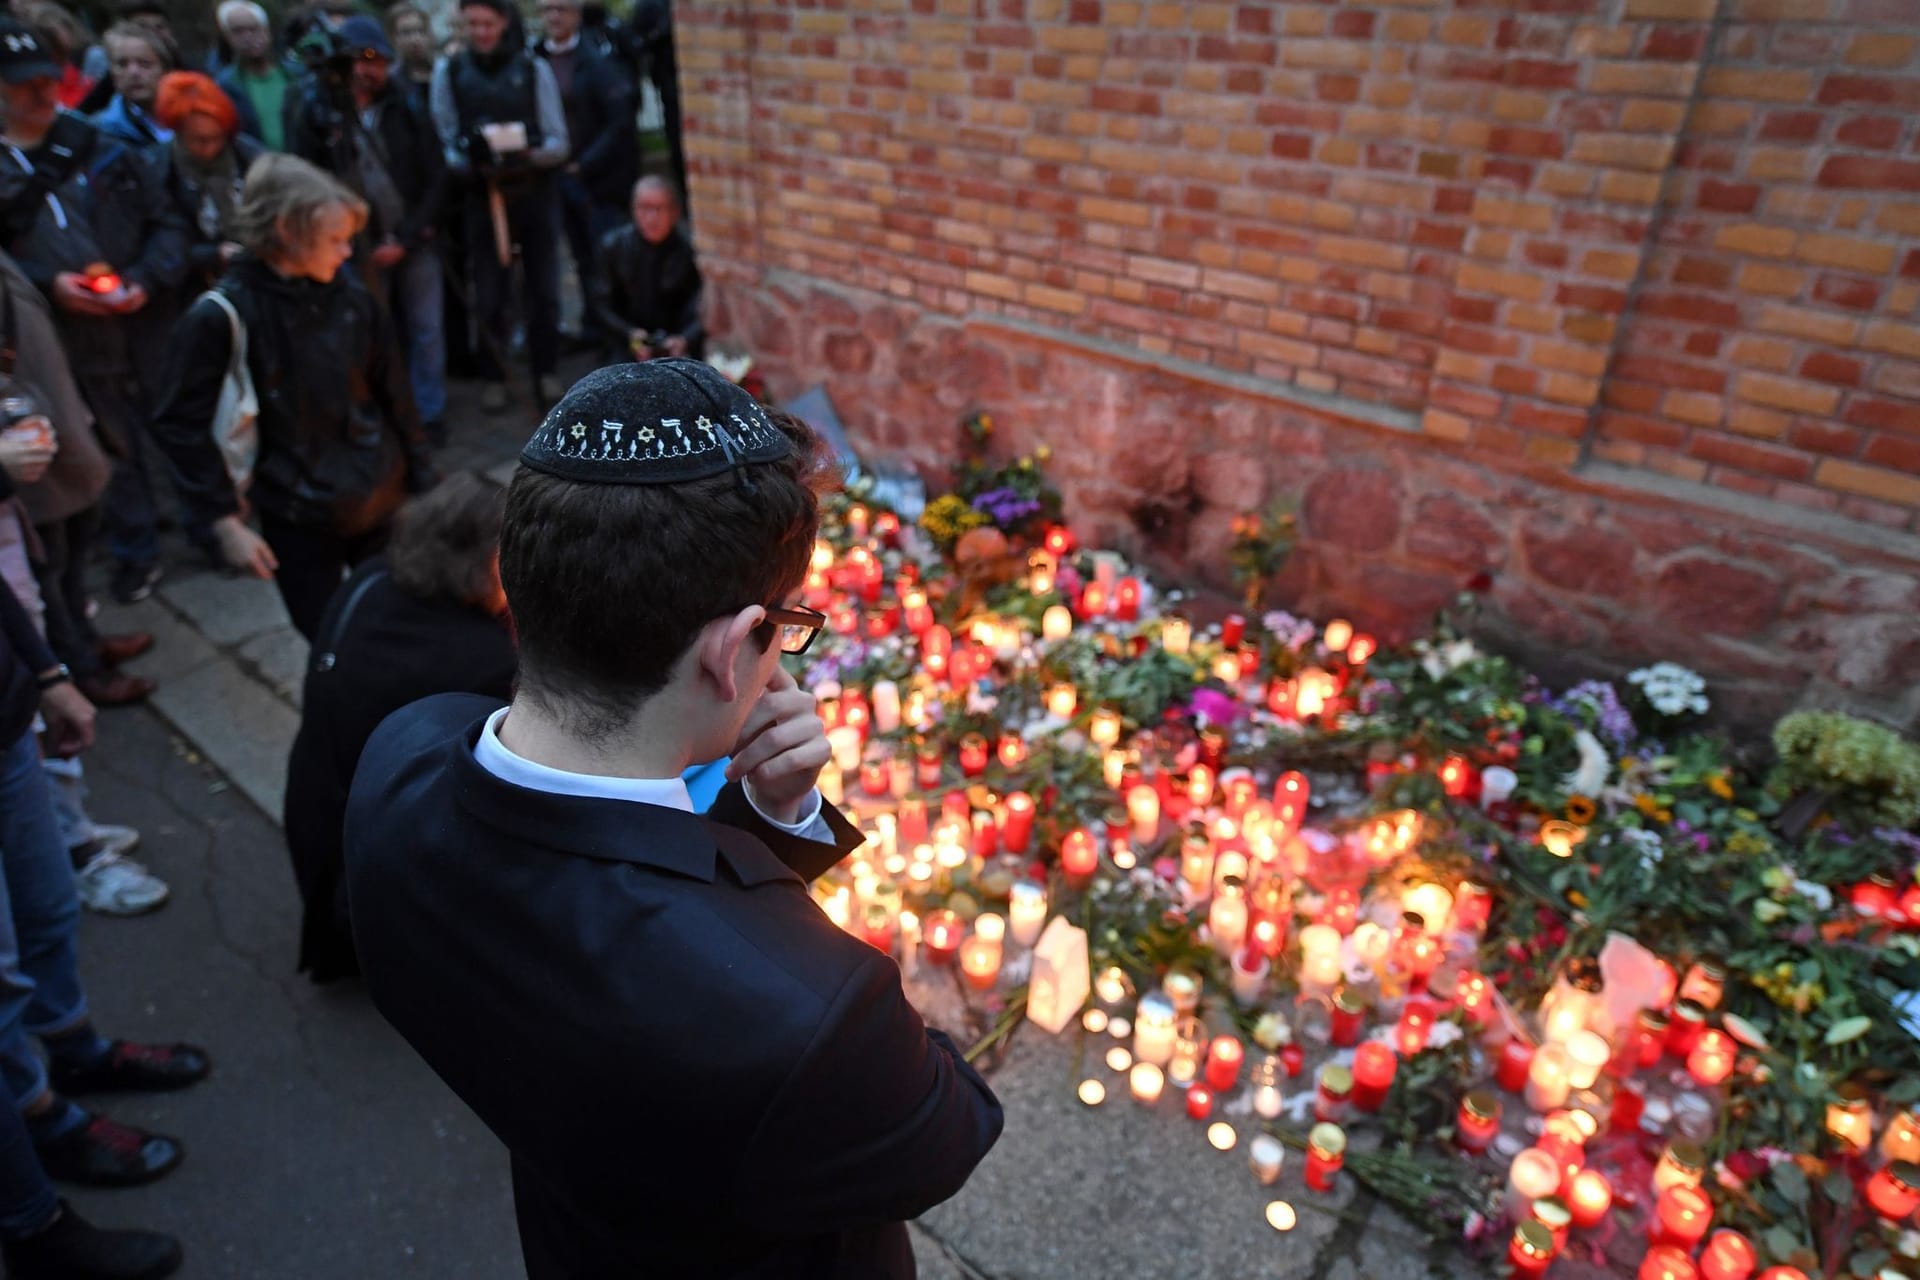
[(781, 750)]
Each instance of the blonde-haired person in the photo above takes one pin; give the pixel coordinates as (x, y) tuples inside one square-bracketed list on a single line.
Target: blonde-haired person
[(137, 56), (340, 445)]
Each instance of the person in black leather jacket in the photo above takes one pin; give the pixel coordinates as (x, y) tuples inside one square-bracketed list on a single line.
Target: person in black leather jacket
[(646, 295), (340, 444)]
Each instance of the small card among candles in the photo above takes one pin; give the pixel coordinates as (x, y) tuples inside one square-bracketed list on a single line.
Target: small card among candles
[(1061, 979)]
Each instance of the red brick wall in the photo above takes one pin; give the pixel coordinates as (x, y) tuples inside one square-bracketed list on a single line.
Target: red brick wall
[(1611, 247)]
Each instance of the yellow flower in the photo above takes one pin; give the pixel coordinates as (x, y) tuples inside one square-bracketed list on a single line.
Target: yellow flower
[(1645, 803), (1718, 784), (1581, 809)]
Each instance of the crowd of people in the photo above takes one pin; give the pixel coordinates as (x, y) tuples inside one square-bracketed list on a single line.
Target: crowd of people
[(231, 296)]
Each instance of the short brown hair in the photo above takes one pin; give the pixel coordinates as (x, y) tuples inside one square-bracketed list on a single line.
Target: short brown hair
[(608, 584), (405, 9), (444, 541), (163, 46), (283, 199)]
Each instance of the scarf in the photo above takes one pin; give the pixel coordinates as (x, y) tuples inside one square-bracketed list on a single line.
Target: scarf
[(218, 186)]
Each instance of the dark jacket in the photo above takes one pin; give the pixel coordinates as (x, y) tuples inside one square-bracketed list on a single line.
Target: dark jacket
[(695, 1072), (405, 143), (228, 78), (649, 286), (204, 236), (78, 473), (600, 109), (92, 199), (340, 441), (23, 656), (378, 649)]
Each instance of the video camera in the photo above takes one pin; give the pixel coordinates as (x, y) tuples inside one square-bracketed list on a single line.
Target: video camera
[(651, 346)]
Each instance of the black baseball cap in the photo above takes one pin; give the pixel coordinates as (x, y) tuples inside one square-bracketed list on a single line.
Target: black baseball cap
[(22, 56)]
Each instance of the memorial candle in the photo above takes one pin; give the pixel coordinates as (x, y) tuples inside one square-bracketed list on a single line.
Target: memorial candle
[(941, 931), (1012, 750), (1143, 809), (1319, 959), (1547, 1085), (1103, 730), (1338, 635), (1589, 1196), (1362, 650), (1711, 1060), (1154, 1024), (1587, 1056), (1224, 1057), (1850, 1118), (1894, 1190), (1267, 1095), (1664, 1262), (1250, 968), (1093, 601), (1126, 600), (1901, 1141), (1516, 1059), (1477, 1122), (1227, 917), (1147, 1081), (1530, 1252), (1233, 631), (1027, 911), (1078, 855), (1176, 635), (1456, 776), (1199, 1102), (1415, 1025), (1347, 1017), (1264, 1156), (1326, 1152), (1290, 796), (980, 960), (1062, 701), (1783, 1273), (1728, 1256), (1682, 1164), (1017, 831), (1681, 1217), (1056, 623), (1374, 1066), (1533, 1175), (886, 707)]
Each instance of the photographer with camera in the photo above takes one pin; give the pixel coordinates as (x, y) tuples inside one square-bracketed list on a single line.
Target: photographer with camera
[(359, 125), (646, 295), (500, 118)]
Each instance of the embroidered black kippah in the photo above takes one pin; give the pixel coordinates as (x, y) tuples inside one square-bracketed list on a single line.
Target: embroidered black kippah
[(654, 422)]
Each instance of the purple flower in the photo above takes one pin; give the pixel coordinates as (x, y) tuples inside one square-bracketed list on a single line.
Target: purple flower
[(1005, 507), (1216, 707), (1595, 704)]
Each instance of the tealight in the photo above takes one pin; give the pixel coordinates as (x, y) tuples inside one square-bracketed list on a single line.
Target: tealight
[(1147, 1081), (1094, 1020), (1092, 1092), (1222, 1136), (1119, 1058), (1280, 1216)]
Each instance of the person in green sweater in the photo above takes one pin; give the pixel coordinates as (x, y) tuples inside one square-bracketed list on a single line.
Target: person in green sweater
[(257, 81)]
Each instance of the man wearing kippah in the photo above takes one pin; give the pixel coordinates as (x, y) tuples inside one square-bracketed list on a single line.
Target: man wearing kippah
[(695, 1072)]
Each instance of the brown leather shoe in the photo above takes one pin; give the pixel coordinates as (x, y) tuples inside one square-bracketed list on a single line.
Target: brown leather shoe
[(113, 688), (114, 650)]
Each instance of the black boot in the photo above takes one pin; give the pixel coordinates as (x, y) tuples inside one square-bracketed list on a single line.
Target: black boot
[(74, 1249)]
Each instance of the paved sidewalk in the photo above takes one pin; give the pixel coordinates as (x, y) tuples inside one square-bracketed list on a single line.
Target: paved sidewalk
[(322, 1148)]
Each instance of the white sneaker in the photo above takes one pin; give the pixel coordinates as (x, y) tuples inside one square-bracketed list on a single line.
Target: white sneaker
[(115, 839), (116, 886)]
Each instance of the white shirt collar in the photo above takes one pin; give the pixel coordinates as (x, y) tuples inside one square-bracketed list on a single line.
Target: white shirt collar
[(494, 756), (568, 47)]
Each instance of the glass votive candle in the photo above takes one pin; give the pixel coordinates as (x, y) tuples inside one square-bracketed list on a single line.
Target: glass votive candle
[(1189, 1044), (1374, 1066), (1516, 1059), (1415, 1025), (1547, 1083), (1728, 1256), (1894, 1190), (1199, 1102), (1850, 1118), (1224, 1057), (1347, 1018), (1266, 1093), (1683, 1163), (1552, 1213), (1901, 1141), (1533, 1175), (941, 933), (1146, 1081), (1335, 1093), (1711, 1059), (1264, 1157), (1589, 1196), (1587, 1055), (1664, 1262), (1681, 1217), (1155, 1027), (1684, 1025), (1478, 1121), (1326, 1152), (1650, 1036), (1705, 984), (1092, 1092), (1222, 1136)]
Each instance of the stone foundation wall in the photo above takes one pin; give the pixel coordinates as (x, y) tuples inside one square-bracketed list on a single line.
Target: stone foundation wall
[(1581, 575)]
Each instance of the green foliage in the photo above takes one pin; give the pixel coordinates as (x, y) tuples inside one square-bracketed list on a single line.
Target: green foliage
[(948, 518), (1262, 541), (1871, 774)]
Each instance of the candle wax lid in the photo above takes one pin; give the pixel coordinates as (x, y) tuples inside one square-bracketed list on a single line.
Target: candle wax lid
[(1329, 1138)]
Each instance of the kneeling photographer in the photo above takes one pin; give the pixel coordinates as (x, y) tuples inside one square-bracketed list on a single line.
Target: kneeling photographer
[(376, 138), (646, 295)]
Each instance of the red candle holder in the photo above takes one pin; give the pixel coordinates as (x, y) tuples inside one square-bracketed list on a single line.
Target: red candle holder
[(1684, 1026), (1349, 1014), (1589, 1196), (1126, 600), (973, 755), (1530, 1252), (942, 932), (1326, 1152), (1233, 631), (1290, 796), (911, 828), (1681, 1217), (1894, 1191), (1728, 1256), (1415, 1025), (1516, 1059), (1078, 855), (1456, 777), (1478, 1121), (1199, 1102), (1374, 1066), (1664, 1262), (1017, 831), (1224, 1059)]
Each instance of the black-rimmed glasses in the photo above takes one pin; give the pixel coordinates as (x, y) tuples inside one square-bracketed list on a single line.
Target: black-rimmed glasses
[(797, 627)]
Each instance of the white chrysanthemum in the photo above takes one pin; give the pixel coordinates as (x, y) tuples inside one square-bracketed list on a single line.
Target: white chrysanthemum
[(1595, 766), (1671, 688)]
